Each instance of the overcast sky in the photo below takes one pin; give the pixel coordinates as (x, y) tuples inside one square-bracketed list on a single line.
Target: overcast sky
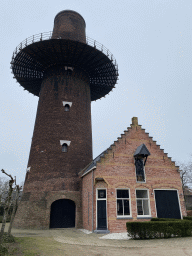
[(152, 43)]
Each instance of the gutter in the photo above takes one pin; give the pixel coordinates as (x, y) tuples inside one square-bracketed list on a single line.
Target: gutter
[(92, 194)]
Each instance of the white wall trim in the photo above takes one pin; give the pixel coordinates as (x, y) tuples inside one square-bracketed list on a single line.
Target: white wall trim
[(93, 168), (70, 68), (67, 102), (65, 141)]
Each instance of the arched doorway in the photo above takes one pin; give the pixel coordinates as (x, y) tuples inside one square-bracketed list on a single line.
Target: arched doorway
[(62, 214)]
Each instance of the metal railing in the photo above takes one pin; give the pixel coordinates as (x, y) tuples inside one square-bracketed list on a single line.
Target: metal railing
[(48, 35)]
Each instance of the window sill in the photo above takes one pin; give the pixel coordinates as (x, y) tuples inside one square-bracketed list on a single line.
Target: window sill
[(123, 218), (143, 217)]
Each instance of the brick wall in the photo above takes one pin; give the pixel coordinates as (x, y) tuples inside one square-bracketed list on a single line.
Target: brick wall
[(118, 170), (51, 169)]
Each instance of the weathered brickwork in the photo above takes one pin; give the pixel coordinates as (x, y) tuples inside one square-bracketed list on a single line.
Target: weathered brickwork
[(53, 174), (69, 25), (117, 168), (34, 213)]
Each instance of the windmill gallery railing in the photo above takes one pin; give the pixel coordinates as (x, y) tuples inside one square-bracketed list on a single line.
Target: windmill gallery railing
[(48, 36)]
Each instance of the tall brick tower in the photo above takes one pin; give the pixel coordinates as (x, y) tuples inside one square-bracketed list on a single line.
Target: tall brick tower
[(67, 70)]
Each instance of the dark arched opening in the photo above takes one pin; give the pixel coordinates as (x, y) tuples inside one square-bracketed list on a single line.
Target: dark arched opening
[(64, 147), (62, 214), (67, 107)]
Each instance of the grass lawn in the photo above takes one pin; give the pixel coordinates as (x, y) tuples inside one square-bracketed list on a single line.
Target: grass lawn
[(34, 246)]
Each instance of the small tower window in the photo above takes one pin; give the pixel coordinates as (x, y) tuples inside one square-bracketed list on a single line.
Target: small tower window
[(64, 147), (67, 107)]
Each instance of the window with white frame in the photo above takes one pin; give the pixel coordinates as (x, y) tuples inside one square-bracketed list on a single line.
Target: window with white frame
[(142, 202), (123, 205)]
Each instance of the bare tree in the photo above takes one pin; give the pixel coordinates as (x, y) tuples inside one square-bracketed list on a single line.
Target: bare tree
[(7, 205), (4, 187), (186, 174), (15, 204)]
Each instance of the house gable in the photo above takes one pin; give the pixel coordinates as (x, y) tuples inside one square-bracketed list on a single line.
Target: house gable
[(114, 169)]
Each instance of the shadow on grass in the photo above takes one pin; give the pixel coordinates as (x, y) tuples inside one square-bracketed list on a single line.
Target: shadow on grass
[(14, 246)]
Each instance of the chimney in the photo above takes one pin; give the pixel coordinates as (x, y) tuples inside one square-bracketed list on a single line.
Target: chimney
[(134, 121)]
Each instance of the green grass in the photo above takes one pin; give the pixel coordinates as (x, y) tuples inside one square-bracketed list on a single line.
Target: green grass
[(30, 246), (14, 246)]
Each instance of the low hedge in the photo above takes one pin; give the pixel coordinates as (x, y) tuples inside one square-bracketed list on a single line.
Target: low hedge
[(166, 219), (188, 218), (159, 229), (163, 219)]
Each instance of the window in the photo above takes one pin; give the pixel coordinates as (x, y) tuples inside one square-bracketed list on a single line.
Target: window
[(142, 202), (140, 169), (123, 208), (101, 194), (64, 147), (67, 107)]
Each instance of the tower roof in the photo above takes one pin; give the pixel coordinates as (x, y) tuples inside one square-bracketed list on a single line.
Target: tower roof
[(68, 46)]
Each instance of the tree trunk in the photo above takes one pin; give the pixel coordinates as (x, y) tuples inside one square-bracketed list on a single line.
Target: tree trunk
[(6, 209), (15, 203)]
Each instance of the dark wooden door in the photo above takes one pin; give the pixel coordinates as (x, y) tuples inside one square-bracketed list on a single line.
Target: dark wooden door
[(167, 204), (62, 214), (101, 214)]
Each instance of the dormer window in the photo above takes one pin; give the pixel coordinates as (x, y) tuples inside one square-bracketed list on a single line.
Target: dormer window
[(140, 156), (64, 147)]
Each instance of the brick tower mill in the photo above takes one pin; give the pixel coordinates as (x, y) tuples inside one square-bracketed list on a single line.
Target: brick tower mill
[(66, 70)]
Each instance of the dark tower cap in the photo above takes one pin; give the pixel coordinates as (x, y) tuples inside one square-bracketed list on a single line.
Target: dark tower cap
[(68, 46), (69, 25), (68, 12)]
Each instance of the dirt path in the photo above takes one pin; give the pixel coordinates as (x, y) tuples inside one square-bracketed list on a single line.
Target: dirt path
[(59, 242)]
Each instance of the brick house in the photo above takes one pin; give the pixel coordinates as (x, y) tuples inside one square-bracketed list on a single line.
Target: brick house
[(133, 180), (64, 187)]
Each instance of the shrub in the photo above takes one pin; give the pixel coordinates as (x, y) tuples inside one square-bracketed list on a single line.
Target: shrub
[(3, 250), (159, 229), (188, 218), (163, 219)]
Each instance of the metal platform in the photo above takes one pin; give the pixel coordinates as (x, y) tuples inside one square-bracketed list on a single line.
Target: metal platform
[(38, 53)]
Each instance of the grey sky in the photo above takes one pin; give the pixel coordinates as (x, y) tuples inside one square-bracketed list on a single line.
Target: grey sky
[(151, 41)]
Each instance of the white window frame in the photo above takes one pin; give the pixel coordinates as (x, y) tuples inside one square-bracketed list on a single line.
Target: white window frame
[(143, 216), (99, 200), (123, 216), (177, 197), (136, 173)]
